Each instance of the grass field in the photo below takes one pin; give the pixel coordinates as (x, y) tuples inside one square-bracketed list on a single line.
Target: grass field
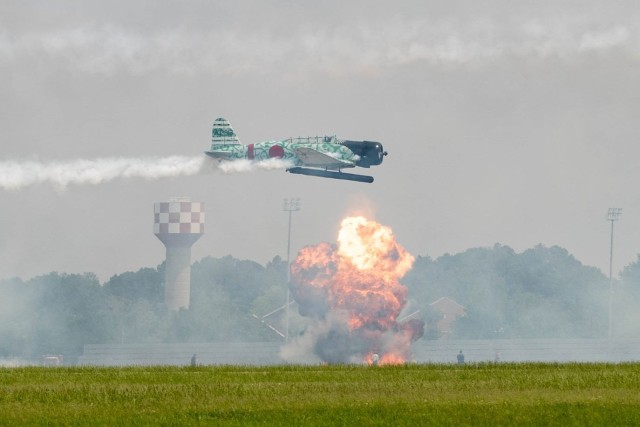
[(482, 394)]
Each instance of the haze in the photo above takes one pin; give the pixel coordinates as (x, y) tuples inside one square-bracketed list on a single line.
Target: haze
[(505, 123)]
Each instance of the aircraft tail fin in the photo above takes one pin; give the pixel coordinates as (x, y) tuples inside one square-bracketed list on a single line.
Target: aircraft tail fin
[(222, 133)]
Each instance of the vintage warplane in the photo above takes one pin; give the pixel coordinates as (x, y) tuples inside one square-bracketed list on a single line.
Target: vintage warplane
[(323, 156)]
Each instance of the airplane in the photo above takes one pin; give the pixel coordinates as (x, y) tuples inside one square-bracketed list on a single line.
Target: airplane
[(323, 156)]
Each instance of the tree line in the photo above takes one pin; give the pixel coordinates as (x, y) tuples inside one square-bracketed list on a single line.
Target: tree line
[(543, 292)]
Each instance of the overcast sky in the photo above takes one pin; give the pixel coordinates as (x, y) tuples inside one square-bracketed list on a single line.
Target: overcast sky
[(506, 122)]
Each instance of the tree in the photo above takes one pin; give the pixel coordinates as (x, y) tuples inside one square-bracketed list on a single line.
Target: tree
[(146, 283), (15, 318), (542, 292), (70, 311), (630, 277), (242, 280), (626, 321)]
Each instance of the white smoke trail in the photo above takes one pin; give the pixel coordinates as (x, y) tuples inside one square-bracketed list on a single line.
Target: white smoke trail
[(15, 175), (244, 165)]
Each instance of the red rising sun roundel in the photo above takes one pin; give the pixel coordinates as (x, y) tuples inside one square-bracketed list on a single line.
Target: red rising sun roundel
[(276, 151)]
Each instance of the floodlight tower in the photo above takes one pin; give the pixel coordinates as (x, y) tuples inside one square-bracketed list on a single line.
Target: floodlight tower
[(178, 224), (290, 205), (613, 215)]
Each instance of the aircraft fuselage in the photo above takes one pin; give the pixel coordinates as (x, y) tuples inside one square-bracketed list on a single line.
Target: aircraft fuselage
[(315, 156), (353, 153)]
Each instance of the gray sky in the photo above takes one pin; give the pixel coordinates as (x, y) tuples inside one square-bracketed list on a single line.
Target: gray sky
[(506, 122)]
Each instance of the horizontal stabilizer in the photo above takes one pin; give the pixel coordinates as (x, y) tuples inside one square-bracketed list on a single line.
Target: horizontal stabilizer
[(331, 174), (221, 155)]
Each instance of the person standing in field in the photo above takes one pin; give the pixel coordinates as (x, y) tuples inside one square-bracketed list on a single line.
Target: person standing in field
[(375, 359), (460, 358), (194, 360)]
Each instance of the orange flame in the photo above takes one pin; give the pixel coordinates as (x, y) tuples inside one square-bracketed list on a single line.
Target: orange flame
[(360, 279)]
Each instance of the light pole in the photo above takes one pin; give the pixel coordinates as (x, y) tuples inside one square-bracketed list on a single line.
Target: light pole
[(290, 205), (613, 215)]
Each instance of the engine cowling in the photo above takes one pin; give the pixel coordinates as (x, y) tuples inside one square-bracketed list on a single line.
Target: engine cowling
[(370, 153)]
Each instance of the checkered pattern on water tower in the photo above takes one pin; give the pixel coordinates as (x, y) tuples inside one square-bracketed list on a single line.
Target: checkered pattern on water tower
[(178, 218)]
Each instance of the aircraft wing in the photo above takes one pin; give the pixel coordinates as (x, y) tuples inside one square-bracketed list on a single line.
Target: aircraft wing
[(314, 158)]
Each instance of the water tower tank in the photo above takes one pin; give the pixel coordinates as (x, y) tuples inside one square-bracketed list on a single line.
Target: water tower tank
[(178, 224)]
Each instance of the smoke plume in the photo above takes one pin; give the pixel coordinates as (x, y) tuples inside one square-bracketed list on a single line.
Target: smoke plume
[(244, 165), (343, 48), (352, 295), (15, 175)]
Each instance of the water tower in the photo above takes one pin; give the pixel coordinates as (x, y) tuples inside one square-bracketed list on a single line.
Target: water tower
[(178, 224)]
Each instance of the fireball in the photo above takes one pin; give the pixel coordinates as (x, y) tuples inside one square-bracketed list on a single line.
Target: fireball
[(354, 288)]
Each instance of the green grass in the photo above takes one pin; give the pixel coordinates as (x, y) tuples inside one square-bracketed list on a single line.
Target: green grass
[(482, 394)]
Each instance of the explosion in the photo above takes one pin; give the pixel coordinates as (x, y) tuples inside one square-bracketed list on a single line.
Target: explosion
[(352, 294)]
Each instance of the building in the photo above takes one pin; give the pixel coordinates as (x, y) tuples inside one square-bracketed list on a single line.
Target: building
[(450, 310)]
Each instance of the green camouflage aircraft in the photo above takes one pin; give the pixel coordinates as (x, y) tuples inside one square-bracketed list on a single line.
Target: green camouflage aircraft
[(323, 156)]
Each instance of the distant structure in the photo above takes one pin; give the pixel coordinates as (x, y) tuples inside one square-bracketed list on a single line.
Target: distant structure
[(613, 215), (178, 224), (450, 310)]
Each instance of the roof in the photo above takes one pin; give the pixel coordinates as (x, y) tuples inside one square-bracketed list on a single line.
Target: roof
[(447, 299)]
